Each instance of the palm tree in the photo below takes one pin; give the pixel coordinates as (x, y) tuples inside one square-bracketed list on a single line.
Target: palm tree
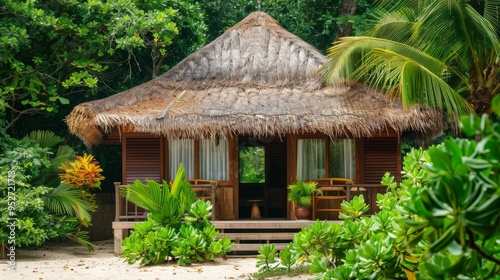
[(440, 53)]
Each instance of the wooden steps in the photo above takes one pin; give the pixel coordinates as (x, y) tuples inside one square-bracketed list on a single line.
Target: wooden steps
[(248, 235)]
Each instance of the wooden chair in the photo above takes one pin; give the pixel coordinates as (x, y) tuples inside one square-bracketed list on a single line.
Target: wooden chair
[(205, 190), (334, 191)]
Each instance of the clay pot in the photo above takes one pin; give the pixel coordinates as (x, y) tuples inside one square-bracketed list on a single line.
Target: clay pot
[(303, 213)]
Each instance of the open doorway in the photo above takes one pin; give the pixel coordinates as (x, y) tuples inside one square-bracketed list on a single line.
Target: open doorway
[(262, 178)]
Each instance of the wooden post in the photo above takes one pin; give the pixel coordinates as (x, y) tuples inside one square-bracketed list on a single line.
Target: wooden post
[(119, 233), (118, 201), (212, 197)]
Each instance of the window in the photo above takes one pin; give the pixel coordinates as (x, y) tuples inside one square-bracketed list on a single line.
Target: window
[(209, 157), (312, 158), (342, 159), (214, 160), (181, 151)]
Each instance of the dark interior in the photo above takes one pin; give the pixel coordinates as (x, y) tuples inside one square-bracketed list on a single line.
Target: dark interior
[(270, 195)]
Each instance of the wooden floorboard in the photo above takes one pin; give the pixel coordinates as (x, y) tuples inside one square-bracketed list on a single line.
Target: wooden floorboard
[(259, 235), (254, 247), (262, 224)]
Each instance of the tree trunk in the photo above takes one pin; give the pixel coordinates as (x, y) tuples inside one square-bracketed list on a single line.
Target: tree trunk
[(348, 9), (483, 93)]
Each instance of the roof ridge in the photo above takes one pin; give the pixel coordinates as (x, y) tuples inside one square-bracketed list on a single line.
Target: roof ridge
[(255, 50)]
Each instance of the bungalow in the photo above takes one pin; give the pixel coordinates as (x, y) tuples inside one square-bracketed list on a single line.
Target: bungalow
[(253, 92)]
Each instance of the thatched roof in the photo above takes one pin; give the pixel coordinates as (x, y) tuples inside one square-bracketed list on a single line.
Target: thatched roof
[(257, 79)]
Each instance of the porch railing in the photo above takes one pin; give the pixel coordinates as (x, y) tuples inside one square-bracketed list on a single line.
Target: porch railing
[(336, 190)]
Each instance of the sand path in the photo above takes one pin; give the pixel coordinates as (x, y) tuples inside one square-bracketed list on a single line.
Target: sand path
[(68, 261)]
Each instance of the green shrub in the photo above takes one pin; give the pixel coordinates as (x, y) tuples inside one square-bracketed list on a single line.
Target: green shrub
[(177, 227), (442, 221), (37, 207)]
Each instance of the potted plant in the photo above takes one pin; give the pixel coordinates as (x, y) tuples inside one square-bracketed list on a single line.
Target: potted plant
[(301, 196)]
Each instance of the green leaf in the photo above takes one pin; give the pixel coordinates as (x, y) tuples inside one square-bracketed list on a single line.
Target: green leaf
[(440, 160), (63, 100), (495, 104), (444, 240)]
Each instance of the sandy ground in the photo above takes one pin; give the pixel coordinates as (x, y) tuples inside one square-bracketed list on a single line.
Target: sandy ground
[(68, 261)]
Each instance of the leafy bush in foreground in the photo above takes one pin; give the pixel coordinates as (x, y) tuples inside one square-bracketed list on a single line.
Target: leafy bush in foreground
[(441, 222), (36, 206), (177, 227)]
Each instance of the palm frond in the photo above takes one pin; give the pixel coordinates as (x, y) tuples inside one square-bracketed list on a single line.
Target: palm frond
[(453, 29), (150, 197), (417, 79), (171, 211), (395, 5), (82, 238), (72, 232), (396, 26), (487, 30), (492, 13), (451, 47), (67, 200), (64, 153), (345, 57), (186, 196), (46, 139), (159, 200), (386, 64)]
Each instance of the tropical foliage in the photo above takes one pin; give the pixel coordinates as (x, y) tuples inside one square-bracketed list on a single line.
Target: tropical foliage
[(252, 164), (315, 21), (301, 192), (177, 227), (83, 173), (441, 222), (37, 206), (56, 52), (441, 53)]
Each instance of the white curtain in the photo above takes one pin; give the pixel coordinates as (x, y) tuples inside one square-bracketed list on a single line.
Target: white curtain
[(181, 151), (310, 159), (214, 160), (342, 158)]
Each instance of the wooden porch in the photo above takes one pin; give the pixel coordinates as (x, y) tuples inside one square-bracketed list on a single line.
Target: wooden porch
[(249, 234)]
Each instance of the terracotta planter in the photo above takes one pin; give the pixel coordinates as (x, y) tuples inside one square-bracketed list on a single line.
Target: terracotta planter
[(303, 213)]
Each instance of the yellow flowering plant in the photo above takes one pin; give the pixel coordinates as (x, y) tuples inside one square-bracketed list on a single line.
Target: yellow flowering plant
[(84, 172)]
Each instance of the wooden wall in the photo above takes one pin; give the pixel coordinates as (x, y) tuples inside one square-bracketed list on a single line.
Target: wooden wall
[(376, 156), (142, 158)]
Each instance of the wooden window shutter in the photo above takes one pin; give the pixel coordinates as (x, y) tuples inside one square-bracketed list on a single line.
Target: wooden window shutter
[(381, 155), (142, 159)]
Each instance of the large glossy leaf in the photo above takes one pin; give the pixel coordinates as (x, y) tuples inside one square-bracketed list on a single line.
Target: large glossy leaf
[(67, 200), (151, 197)]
